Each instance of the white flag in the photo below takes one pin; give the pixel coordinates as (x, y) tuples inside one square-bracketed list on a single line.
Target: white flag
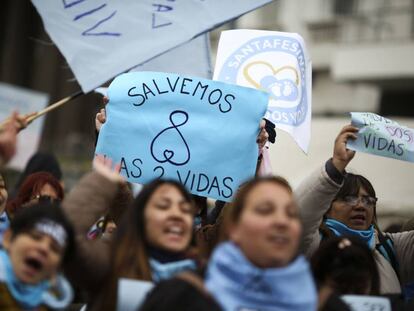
[(102, 39)]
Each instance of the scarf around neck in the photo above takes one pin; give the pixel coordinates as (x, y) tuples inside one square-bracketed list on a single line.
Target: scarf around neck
[(340, 229), (30, 296), (27, 295), (163, 271), (237, 284)]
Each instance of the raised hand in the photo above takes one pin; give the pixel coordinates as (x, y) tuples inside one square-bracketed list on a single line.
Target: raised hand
[(263, 135), (341, 155), (8, 137), (100, 118), (105, 167)]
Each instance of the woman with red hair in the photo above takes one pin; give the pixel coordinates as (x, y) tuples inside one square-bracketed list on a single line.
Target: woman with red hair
[(40, 186)]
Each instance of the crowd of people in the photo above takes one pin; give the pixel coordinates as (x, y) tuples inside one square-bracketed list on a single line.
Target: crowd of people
[(271, 248)]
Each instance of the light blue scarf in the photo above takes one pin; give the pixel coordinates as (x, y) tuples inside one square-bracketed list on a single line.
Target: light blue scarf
[(340, 229), (28, 296), (239, 285), (4, 225), (164, 271), (32, 296)]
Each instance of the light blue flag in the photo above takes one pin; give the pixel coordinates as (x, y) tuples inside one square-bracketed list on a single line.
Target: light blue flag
[(381, 136), (194, 60), (191, 58), (101, 39), (197, 131)]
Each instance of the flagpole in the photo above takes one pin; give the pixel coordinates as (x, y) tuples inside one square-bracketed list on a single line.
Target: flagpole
[(52, 107)]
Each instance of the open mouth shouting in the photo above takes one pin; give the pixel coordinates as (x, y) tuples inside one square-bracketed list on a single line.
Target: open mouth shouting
[(32, 267)]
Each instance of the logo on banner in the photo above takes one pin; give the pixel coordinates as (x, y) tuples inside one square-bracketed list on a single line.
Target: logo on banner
[(275, 64)]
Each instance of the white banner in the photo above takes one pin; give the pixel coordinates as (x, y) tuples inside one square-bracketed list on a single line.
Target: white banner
[(100, 40), (24, 101), (275, 62)]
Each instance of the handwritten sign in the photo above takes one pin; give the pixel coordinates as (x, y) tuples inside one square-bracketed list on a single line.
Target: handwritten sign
[(101, 39), (199, 132), (132, 293), (367, 303), (25, 101), (275, 62), (381, 136)]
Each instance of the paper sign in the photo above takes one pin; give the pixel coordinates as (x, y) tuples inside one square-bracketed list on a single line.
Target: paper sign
[(367, 303), (132, 293), (101, 39), (24, 101), (381, 136), (278, 63), (197, 131)]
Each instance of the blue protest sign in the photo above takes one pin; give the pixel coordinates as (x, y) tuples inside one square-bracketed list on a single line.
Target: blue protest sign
[(381, 136), (197, 131)]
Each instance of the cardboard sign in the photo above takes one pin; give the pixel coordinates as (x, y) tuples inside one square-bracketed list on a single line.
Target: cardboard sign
[(101, 39), (367, 303), (275, 62), (132, 293), (381, 136), (199, 132), (24, 101)]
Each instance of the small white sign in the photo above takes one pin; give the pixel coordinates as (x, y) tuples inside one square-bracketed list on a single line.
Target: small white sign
[(24, 101), (132, 293), (367, 303)]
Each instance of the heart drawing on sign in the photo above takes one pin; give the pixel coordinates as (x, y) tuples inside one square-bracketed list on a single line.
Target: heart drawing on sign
[(168, 154), (277, 82)]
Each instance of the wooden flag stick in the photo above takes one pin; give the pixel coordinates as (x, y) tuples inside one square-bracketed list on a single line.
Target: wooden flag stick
[(35, 115)]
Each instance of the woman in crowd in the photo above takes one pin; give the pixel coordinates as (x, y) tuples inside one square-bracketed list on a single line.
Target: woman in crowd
[(259, 267), (152, 242), (343, 266), (37, 187), (4, 220), (39, 162), (334, 203), (38, 241), (185, 292)]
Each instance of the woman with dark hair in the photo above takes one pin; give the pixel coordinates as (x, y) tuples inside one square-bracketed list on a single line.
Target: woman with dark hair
[(41, 186), (39, 162), (184, 293), (259, 266), (152, 241), (343, 266), (336, 203)]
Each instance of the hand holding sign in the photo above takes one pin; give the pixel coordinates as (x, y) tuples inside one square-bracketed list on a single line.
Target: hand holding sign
[(8, 138), (199, 132), (381, 136), (341, 154)]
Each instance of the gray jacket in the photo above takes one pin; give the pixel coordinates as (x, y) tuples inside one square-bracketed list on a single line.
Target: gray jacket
[(314, 196)]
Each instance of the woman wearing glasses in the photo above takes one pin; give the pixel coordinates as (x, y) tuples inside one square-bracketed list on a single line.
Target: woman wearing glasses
[(336, 203), (37, 187)]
